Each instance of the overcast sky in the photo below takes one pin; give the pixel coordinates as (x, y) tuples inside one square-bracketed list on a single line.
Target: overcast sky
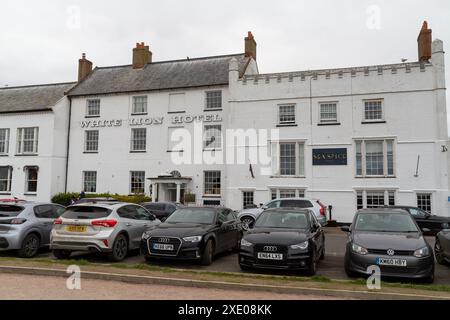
[(41, 41)]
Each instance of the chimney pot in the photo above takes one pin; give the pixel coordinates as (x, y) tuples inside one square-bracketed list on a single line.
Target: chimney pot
[(424, 42), (250, 46)]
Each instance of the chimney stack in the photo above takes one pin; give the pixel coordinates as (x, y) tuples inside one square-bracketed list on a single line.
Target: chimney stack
[(84, 67), (141, 55), (424, 42), (250, 46)]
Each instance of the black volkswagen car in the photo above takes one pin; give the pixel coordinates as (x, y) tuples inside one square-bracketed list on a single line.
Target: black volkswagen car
[(286, 238), (193, 233), (425, 219), (391, 240)]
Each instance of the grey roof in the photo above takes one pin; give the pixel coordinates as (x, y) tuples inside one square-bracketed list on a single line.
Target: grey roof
[(32, 98), (163, 75)]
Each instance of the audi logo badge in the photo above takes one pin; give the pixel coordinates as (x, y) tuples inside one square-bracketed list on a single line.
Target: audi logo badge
[(164, 240), (390, 252), (270, 248)]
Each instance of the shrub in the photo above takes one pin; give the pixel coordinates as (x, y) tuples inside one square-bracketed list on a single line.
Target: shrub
[(66, 198)]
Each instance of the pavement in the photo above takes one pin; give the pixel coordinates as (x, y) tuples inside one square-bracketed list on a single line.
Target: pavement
[(332, 267)]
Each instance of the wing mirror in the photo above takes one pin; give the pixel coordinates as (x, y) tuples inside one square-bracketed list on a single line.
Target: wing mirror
[(445, 226), (345, 229)]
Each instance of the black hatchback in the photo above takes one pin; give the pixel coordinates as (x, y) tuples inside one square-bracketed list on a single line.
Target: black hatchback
[(193, 233), (286, 239)]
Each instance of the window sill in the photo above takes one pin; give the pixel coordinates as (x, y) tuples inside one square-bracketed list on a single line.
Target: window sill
[(212, 110), (90, 117), (33, 194), (139, 114), (175, 112), (139, 151), (287, 125), (322, 124), (26, 155), (90, 152), (4, 155), (207, 150), (5, 193), (375, 177), (212, 196), (373, 122), (174, 151), (281, 177)]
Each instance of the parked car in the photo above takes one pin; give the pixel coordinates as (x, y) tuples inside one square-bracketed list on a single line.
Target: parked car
[(390, 239), (162, 210), (442, 245), (26, 226), (284, 238), (193, 233), (94, 200), (249, 216), (106, 227), (425, 219)]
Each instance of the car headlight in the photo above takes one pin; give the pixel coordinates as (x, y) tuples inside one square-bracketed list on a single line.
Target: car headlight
[(245, 243), (145, 236), (424, 252), (359, 249), (193, 239), (301, 246)]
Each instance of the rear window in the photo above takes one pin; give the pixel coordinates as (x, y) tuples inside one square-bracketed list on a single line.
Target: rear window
[(10, 211), (296, 204), (155, 206), (86, 213)]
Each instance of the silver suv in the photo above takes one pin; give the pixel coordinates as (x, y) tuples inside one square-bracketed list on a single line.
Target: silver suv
[(26, 226), (111, 228)]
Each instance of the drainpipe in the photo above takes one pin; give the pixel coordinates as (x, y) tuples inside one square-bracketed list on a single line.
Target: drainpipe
[(68, 143)]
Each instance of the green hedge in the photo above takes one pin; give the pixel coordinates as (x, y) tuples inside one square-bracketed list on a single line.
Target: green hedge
[(66, 198)]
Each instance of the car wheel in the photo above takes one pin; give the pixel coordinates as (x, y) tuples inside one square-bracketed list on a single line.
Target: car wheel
[(148, 259), (312, 268), (119, 249), (348, 271), (30, 246), (208, 253), (438, 252), (429, 279), (248, 222), (62, 254), (244, 268)]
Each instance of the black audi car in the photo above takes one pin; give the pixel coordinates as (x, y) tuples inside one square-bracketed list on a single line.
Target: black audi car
[(286, 238), (193, 233), (391, 240), (425, 219)]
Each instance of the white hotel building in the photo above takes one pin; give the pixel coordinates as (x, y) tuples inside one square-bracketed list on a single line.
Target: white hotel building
[(354, 137)]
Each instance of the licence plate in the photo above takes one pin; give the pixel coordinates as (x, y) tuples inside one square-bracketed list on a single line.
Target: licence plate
[(164, 247), (76, 229), (270, 256), (391, 262)]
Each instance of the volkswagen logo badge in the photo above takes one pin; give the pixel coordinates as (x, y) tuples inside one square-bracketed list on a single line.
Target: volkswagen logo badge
[(390, 252), (270, 248), (164, 240)]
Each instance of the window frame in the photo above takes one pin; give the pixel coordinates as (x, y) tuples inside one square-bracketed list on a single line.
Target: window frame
[(86, 141), (134, 112), (205, 130), (5, 141), (287, 123), (133, 140), (87, 113), (430, 200), (21, 141), (208, 100), (386, 158), (300, 165), (84, 181), (365, 119), (212, 183), (276, 191), (135, 183), (28, 180), (323, 103), (245, 196), (388, 195), (8, 179)]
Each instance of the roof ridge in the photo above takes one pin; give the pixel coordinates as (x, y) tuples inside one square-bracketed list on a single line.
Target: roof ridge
[(177, 60), (39, 85)]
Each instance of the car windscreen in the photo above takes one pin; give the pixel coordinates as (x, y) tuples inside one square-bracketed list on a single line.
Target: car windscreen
[(86, 212), (200, 216), (283, 220), (7, 211), (385, 222)]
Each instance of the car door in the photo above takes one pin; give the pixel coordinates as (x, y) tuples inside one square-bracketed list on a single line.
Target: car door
[(317, 233), (128, 215), (419, 216), (44, 216), (224, 232), (143, 220)]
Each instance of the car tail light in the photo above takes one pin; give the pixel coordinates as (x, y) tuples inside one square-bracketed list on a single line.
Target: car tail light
[(323, 208), (18, 221), (105, 223), (57, 221)]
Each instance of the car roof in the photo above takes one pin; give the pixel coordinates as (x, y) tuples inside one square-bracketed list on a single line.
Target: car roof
[(106, 205), (383, 210), (288, 209), (308, 199), (216, 209), (161, 202)]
